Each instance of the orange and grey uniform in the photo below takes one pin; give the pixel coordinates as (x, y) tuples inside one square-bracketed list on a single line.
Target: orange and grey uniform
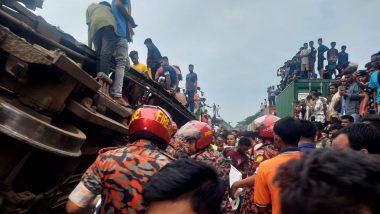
[(118, 176), (261, 152), (176, 150), (222, 167)]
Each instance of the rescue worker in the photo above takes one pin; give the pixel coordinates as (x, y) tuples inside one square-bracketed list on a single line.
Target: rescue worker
[(176, 147), (197, 137), (118, 174), (263, 150)]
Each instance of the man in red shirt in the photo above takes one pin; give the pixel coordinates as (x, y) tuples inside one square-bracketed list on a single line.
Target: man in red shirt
[(238, 155)]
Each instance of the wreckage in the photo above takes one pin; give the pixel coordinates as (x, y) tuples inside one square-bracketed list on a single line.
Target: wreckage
[(54, 115)]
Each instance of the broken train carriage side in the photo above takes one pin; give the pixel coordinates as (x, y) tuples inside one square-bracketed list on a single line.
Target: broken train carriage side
[(54, 116)]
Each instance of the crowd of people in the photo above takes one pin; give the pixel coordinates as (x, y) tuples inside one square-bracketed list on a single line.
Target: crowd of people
[(290, 165), (110, 29), (352, 94), (352, 98), (302, 65), (282, 168)]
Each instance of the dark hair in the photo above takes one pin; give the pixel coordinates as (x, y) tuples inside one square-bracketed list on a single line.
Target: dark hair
[(333, 43), (191, 65), (334, 84), (344, 47), (313, 89), (165, 58), (230, 133), (373, 119), (368, 65), (234, 130), (132, 53), (105, 3), (347, 117), (148, 41), (316, 93), (362, 136), (309, 97), (320, 39), (311, 42), (319, 125), (289, 130), (330, 182), (186, 179), (308, 129), (245, 142), (334, 127), (251, 134), (305, 43)]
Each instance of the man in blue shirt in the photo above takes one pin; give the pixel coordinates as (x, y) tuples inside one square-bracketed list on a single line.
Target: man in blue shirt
[(308, 133), (121, 9), (374, 84), (171, 80), (191, 86)]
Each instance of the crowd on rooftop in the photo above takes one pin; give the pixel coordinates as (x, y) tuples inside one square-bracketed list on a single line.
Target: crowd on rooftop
[(352, 92), (309, 63), (110, 29)]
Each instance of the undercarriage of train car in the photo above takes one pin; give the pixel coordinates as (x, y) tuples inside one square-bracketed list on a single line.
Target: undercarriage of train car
[(54, 115)]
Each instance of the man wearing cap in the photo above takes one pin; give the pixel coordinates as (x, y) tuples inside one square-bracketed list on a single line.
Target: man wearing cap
[(154, 56)]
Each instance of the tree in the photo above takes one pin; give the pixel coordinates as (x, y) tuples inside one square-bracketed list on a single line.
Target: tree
[(243, 124)]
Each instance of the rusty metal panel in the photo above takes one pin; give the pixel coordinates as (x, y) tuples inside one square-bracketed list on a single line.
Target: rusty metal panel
[(65, 141), (18, 47), (95, 118), (72, 69)]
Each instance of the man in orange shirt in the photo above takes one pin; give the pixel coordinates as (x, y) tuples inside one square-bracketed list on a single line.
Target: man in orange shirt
[(286, 137)]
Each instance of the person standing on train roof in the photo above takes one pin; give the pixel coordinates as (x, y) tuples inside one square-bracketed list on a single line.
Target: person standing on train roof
[(121, 9)]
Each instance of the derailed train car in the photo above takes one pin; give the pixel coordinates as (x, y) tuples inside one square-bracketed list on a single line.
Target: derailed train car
[(54, 115)]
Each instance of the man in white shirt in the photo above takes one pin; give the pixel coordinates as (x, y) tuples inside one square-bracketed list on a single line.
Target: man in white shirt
[(318, 110), (332, 113), (305, 61)]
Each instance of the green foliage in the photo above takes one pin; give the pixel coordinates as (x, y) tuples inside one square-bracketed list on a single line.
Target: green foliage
[(243, 124)]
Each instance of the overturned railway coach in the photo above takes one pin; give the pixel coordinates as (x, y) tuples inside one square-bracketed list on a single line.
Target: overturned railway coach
[(54, 115)]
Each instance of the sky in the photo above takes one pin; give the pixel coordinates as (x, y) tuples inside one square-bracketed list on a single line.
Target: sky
[(236, 46)]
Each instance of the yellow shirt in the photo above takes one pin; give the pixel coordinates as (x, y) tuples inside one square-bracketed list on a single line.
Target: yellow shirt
[(142, 69)]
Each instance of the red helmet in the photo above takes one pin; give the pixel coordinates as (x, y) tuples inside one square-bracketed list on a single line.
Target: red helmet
[(195, 130), (264, 125), (151, 123)]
